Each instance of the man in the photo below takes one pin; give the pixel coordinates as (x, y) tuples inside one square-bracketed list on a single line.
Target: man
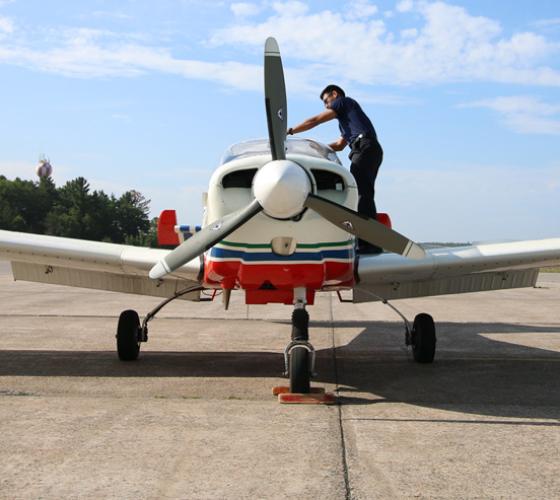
[(366, 154)]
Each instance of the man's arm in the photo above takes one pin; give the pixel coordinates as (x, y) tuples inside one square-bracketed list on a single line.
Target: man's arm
[(308, 124), (338, 145)]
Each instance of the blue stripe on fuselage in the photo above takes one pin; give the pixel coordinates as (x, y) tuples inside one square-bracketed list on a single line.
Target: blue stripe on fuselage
[(222, 253)]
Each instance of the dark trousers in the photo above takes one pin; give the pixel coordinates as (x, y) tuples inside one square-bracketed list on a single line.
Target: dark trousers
[(366, 157)]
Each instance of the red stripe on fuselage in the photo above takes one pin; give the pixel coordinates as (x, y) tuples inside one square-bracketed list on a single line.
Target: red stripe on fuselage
[(282, 276)]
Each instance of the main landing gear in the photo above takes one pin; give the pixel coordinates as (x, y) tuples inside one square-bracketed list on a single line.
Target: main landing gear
[(421, 337), (130, 333)]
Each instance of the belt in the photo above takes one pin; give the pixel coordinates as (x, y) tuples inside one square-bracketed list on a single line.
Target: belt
[(361, 136)]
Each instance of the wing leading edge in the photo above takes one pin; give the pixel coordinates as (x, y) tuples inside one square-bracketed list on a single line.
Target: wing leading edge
[(91, 264), (451, 270)]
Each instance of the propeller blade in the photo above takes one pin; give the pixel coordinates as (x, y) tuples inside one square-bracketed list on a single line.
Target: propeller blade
[(203, 240), (275, 99), (365, 228)]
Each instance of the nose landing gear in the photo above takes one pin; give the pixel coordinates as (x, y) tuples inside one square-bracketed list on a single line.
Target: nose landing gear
[(299, 360)]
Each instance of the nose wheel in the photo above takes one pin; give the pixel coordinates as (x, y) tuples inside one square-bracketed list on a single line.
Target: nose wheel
[(299, 355)]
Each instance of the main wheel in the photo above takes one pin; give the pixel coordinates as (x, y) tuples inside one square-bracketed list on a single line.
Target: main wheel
[(299, 370), (423, 338), (128, 345)]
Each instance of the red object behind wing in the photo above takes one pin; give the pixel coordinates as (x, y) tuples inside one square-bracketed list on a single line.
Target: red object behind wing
[(166, 229), (385, 220)]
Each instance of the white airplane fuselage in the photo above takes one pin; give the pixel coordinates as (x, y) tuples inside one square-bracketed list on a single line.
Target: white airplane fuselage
[(268, 257)]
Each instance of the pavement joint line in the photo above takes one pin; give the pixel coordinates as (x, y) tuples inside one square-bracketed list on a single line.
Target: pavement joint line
[(116, 315), (344, 458), (540, 423)]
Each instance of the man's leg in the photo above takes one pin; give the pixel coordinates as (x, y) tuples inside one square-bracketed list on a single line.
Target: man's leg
[(364, 168)]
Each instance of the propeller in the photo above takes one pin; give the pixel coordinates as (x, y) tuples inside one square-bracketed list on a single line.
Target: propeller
[(365, 228), (201, 241), (282, 190), (275, 99)]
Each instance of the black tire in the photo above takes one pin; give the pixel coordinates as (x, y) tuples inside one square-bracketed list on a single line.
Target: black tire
[(424, 338), (299, 370), (128, 345)]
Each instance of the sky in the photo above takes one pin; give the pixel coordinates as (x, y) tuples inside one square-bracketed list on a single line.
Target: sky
[(134, 94)]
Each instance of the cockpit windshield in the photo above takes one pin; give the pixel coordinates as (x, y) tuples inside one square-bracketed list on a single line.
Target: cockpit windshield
[(294, 145)]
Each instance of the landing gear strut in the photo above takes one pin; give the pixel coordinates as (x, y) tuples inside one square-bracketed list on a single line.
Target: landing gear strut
[(130, 334), (299, 355)]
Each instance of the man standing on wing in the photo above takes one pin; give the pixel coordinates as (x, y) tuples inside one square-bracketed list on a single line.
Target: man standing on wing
[(366, 153)]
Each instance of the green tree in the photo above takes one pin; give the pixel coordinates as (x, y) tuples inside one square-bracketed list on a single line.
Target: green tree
[(24, 205), (132, 211), (68, 216), (74, 211)]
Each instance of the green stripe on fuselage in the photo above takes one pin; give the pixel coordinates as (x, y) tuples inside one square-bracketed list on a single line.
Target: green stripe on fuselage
[(329, 244)]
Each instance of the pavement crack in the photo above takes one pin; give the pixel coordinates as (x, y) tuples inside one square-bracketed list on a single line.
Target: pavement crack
[(344, 457)]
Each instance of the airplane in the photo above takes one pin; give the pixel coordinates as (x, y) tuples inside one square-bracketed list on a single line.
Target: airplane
[(280, 225)]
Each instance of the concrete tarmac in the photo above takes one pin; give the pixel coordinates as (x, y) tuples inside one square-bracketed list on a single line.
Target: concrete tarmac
[(194, 416)]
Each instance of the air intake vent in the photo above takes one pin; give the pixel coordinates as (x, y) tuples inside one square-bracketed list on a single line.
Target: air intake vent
[(328, 180), (239, 178)]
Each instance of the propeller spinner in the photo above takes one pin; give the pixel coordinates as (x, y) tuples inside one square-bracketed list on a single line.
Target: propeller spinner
[(282, 189)]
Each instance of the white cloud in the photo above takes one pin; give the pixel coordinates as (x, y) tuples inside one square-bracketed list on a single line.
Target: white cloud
[(290, 8), (245, 9), (546, 23), (524, 114), (87, 53), (409, 33), (360, 9), (107, 14), (6, 25), (449, 45), (405, 6), (519, 104)]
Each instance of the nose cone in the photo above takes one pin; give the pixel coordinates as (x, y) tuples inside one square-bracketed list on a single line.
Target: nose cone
[(281, 187)]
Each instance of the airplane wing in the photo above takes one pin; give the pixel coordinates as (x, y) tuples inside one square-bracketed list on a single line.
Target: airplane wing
[(450, 270), (92, 264)]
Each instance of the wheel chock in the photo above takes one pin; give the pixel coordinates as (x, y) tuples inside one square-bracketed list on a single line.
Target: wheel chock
[(284, 389), (316, 395)]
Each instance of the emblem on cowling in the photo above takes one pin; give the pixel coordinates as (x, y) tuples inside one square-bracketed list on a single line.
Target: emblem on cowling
[(281, 114), (348, 225)]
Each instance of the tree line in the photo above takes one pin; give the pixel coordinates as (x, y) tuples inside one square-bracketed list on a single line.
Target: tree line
[(75, 211)]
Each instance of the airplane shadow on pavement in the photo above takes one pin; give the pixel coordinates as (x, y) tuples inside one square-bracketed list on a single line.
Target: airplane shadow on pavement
[(472, 373)]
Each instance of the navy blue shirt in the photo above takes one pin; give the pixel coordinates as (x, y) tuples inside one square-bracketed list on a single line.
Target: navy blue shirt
[(352, 121)]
